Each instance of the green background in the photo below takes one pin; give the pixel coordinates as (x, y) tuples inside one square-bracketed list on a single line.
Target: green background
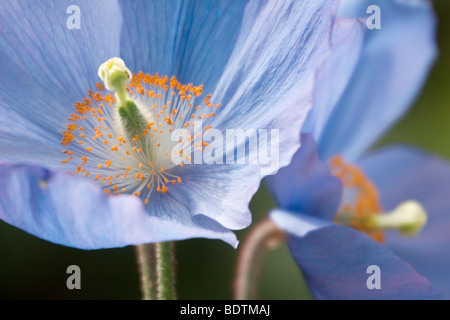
[(31, 268)]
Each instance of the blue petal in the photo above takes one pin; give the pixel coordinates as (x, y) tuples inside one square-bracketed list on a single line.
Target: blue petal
[(192, 40), (296, 223), (334, 75), (220, 192), (394, 63), (335, 260), (402, 174), (269, 79), (68, 210), (261, 55), (46, 68), (306, 185)]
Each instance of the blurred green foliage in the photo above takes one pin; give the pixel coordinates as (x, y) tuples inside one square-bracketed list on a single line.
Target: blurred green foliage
[(31, 268)]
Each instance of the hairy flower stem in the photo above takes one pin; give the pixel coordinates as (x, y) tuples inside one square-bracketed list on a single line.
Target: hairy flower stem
[(264, 235), (146, 256), (165, 270), (156, 269)]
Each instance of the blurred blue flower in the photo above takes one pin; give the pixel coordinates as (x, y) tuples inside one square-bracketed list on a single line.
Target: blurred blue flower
[(258, 59), (323, 198)]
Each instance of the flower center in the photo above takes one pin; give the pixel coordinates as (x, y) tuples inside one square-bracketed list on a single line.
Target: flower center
[(361, 210), (125, 142), (360, 200)]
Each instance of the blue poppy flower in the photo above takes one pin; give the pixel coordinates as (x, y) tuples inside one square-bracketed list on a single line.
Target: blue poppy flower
[(330, 208), (257, 60)]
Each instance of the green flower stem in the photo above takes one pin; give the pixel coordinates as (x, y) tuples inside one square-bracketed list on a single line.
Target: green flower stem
[(165, 270), (264, 235), (146, 256)]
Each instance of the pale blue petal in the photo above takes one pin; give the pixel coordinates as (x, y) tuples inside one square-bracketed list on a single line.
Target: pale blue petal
[(269, 79), (296, 223), (408, 174), (333, 76), (191, 40), (306, 185), (335, 260), (394, 64), (219, 192), (70, 211), (263, 59), (46, 68)]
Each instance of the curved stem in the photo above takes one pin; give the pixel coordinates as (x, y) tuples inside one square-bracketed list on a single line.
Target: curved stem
[(146, 256), (263, 236), (165, 271)]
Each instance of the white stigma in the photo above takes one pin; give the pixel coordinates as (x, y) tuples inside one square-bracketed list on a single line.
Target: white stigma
[(115, 75), (109, 69), (408, 218)]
